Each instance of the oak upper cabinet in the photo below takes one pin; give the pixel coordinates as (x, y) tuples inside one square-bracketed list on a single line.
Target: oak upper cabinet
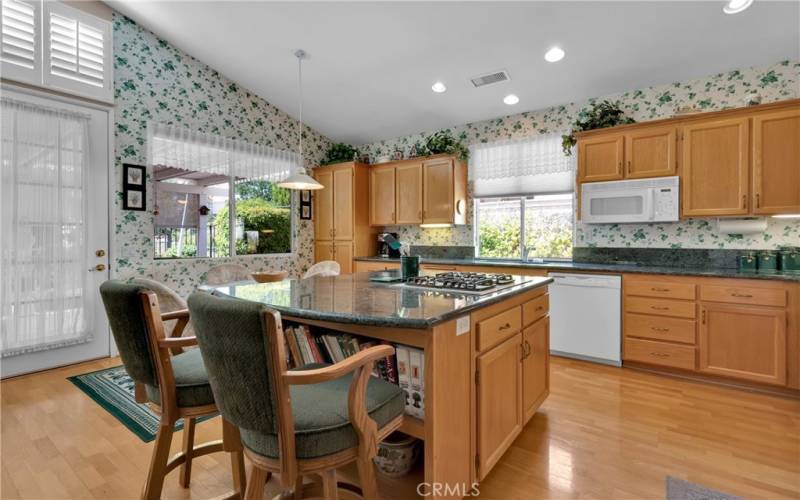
[(651, 152), (535, 365), (776, 162), (408, 177), (600, 158), (744, 342), (382, 189), (716, 176), (341, 214), (444, 191), (499, 401)]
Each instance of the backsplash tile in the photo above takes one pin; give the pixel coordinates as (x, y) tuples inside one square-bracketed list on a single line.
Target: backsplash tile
[(776, 82)]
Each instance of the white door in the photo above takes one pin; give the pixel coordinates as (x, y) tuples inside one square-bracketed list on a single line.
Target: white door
[(54, 209)]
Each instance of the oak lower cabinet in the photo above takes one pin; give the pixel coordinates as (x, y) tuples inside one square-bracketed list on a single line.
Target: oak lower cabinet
[(743, 342), (535, 366), (499, 404), (776, 162), (341, 215), (716, 172)]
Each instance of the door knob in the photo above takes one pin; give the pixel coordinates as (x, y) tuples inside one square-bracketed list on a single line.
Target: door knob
[(100, 253), (98, 267)]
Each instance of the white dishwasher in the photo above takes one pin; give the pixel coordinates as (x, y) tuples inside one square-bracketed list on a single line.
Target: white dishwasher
[(585, 317)]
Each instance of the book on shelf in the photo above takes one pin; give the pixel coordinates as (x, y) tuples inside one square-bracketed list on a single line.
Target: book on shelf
[(416, 362)]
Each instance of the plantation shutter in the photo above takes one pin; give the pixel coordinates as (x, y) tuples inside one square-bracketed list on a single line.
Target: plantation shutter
[(20, 51), (77, 52)]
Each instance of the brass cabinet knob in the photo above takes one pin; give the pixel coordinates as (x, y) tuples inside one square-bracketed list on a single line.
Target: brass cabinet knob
[(98, 267), (100, 253)]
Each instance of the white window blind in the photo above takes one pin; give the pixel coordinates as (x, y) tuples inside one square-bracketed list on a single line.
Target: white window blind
[(534, 165), (77, 51), (21, 41)]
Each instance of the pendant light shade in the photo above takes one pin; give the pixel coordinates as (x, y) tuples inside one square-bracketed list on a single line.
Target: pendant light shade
[(300, 180)]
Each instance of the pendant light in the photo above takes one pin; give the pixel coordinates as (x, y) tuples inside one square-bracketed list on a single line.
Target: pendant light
[(300, 180)]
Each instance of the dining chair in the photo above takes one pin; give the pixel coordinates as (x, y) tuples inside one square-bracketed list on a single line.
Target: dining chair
[(169, 301), (300, 422), (227, 273), (172, 381), (323, 268)]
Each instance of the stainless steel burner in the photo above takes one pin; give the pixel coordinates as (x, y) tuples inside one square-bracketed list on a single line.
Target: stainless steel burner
[(460, 281)]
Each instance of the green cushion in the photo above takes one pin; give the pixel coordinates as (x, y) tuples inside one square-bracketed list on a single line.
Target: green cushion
[(321, 422), (191, 381)]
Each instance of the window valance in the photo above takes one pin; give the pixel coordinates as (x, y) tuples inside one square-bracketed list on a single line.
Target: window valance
[(519, 167), (179, 147)]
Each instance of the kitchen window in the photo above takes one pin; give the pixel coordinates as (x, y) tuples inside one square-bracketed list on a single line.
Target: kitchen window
[(523, 193), (216, 197)]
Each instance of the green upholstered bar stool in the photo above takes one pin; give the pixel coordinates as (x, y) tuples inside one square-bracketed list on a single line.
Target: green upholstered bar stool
[(174, 382), (301, 422)]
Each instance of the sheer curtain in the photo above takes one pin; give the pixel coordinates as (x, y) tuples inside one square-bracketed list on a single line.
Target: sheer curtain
[(43, 268), (179, 147), (520, 167)]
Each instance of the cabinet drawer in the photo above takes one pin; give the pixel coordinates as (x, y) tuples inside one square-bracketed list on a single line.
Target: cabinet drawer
[(493, 330), (660, 353), (661, 307), (660, 328), (366, 266), (535, 309), (663, 289), (744, 295)]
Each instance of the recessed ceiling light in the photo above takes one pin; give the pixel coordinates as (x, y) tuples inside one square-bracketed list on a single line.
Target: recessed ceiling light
[(556, 54), (736, 6), (510, 99), (438, 87)]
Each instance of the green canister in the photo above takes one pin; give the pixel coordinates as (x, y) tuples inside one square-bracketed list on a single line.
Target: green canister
[(767, 260), (747, 262), (789, 259), (409, 266)]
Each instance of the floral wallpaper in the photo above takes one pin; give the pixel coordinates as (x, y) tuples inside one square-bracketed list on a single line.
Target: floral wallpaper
[(723, 90), (154, 81)]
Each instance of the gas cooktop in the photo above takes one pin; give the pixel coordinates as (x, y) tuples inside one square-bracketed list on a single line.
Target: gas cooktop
[(477, 283)]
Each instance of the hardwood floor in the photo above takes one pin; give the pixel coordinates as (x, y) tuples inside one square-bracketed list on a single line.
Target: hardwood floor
[(603, 433)]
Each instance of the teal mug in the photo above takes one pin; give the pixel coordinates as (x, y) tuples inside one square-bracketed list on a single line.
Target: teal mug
[(409, 266)]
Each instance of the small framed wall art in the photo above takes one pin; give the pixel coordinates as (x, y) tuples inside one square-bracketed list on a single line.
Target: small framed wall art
[(134, 196), (305, 205)]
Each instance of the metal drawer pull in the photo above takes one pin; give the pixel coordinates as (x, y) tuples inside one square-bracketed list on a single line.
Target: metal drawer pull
[(657, 289), (742, 295), (660, 308), (505, 327), (659, 354), (659, 328)]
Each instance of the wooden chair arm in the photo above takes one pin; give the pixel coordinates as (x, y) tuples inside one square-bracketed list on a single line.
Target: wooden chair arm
[(173, 342), (349, 365), (180, 313)]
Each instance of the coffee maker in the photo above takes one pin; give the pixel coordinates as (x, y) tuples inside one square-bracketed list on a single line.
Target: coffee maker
[(385, 241)]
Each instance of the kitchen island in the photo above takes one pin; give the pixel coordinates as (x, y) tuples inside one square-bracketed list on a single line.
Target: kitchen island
[(486, 357)]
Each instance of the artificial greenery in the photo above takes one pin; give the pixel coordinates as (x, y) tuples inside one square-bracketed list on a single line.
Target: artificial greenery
[(443, 142), (340, 152), (601, 115)]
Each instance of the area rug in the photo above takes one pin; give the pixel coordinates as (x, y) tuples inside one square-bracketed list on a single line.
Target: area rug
[(678, 489), (112, 389)]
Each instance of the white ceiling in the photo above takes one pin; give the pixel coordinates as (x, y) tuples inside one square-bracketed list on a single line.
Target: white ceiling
[(372, 64)]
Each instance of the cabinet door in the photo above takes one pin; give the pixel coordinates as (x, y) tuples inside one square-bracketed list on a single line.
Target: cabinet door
[(715, 176), (438, 189), (651, 152), (381, 196), (343, 254), (499, 401), (600, 158), (743, 342), (323, 205), (343, 203), (323, 250), (409, 193), (535, 365), (776, 162)]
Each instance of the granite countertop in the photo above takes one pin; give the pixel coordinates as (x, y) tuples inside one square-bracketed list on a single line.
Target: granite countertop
[(354, 299), (609, 267)]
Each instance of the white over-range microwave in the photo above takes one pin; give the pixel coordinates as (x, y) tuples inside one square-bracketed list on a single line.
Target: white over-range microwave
[(640, 200)]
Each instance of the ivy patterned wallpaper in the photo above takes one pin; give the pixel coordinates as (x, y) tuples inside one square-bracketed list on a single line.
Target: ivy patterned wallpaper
[(155, 81), (723, 90)]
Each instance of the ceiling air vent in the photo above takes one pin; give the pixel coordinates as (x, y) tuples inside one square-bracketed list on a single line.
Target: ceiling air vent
[(490, 78)]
